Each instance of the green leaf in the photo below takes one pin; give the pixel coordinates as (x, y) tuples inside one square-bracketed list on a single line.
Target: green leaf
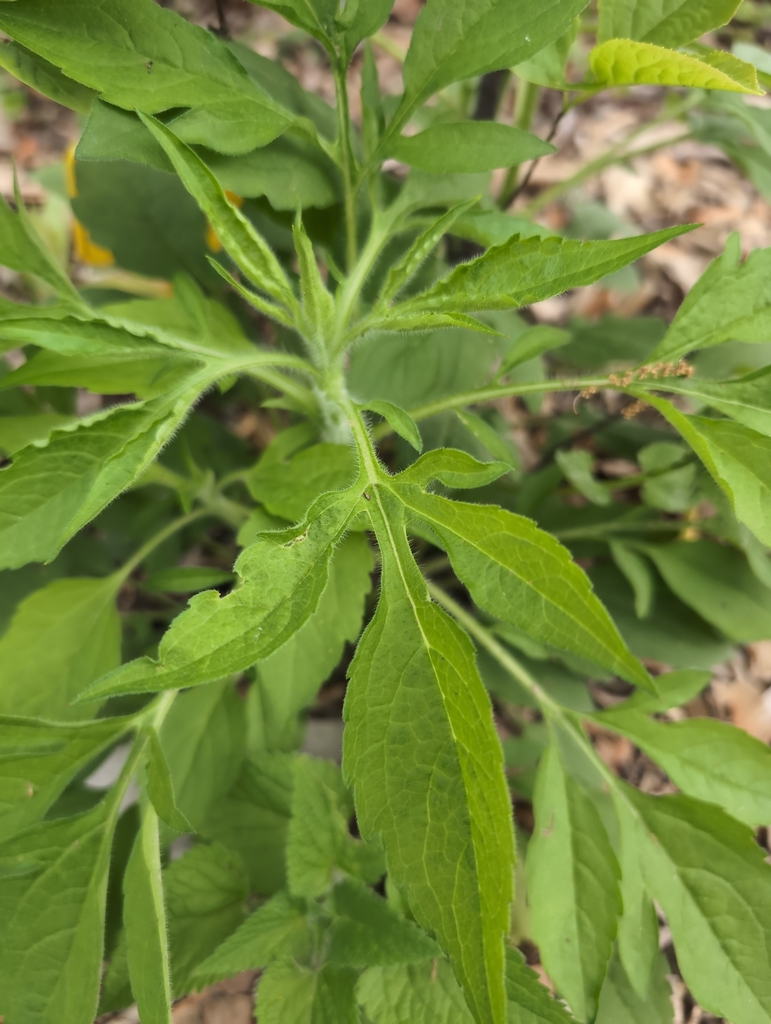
[(428, 994), (625, 62), (468, 147), (577, 466), (572, 880), (137, 55), (529, 1002), (318, 827), (487, 435), (317, 17), (669, 491), (38, 759), (747, 400), (416, 713), (456, 40), (367, 932), (53, 881), (638, 575), (620, 1003), (548, 66), (426, 321), (253, 818), (706, 759), (160, 787), (288, 488), (738, 458), (524, 576), (144, 914), (243, 242), (289, 680), (60, 639), (205, 892), (709, 876), (530, 344), (51, 491), (45, 78), (522, 271), (400, 421), (279, 928), (290, 992), (22, 249), (283, 577), (318, 306), (674, 689), (671, 23), (718, 583), (203, 739), (187, 579), (16, 432), (456, 470)]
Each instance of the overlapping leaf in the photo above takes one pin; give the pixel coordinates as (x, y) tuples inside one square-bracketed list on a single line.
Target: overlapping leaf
[(626, 62), (669, 23)]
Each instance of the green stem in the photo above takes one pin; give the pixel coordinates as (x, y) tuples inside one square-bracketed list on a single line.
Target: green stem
[(350, 292), (168, 531), (347, 161), (602, 530)]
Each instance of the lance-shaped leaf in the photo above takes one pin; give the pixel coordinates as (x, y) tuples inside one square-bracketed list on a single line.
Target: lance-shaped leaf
[(61, 638), (160, 787), (290, 992), (278, 929), (50, 491), (318, 305), (283, 577), (529, 1002), (572, 881), (709, 876), (620, 1003), (38, 759), (468, 147), (669, 23), (398, 420), (144, 915), (625, 62), (710, 760), (243, 242), (426, 766), (738, 458), (747, 400), (455, 40), (638, 926), (730, 301), (53, 883), (523, 575), (22, 249), (43, 77), (526, 270), (135, 54), (427, 993)]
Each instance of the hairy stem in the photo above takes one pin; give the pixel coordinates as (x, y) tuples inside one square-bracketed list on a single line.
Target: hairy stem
[(347, 161)]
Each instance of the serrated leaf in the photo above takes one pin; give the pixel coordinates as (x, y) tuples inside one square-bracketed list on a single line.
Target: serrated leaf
[(452, 41), (60, 639), (318, 305), (529, 1002), (16, 432), (709, 876), (747, 400), (253, 818), (638, 575), (45, 78), (526, 270), (144, 914), (288, 487), (279, 928), (718, 583), (38, 759), (572, 881), (738, 458), (283, 576), (577, 466), (318, 827), (290, 992), (468, 147), (50, 491), (424, 993), (137, 55), (160, 787), (706, 759), (626, 62), (244, 244), (289, 680), (22, 249), (414, 665), (203, 739), (671, 23), (367, 932), (525, 577), (620, 1003), (53, 880), (399, 421)]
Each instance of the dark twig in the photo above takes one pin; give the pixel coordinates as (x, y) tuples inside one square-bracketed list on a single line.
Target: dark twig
[(223, 29), (526, 180)]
